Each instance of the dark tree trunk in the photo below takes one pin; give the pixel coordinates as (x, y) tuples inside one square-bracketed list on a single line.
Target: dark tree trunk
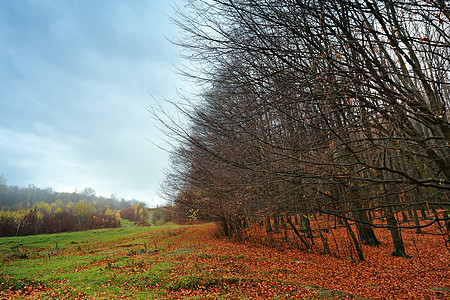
[(399, 248), (416, 219), (276, 224), (302, 239), (355, 240), (268, 225), (366, 233)]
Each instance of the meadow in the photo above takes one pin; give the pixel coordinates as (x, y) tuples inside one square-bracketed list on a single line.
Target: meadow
[(192, 262)]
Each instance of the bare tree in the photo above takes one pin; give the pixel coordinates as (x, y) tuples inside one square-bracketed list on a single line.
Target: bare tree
[(316, 107)]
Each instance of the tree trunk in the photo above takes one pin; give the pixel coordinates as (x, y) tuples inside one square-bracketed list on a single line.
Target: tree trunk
[(399, 248), (416, 219), (355, 240), (276, 224), (366, 233), (302, 239)]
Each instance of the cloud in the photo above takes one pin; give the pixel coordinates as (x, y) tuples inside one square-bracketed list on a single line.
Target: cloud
[(36, 155), (75, 77)]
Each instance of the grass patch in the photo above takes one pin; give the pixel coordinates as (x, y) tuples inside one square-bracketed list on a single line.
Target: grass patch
[(16, 284), (97, 263), (127, 224)]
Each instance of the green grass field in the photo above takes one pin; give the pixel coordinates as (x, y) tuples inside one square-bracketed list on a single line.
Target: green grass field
[(107, 263)]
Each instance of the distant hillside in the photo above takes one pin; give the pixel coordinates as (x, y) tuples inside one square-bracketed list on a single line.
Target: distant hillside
[(32, 210)]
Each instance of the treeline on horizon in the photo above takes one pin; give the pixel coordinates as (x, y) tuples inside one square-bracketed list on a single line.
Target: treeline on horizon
[(14, 197), (314, 119), (33, 210)]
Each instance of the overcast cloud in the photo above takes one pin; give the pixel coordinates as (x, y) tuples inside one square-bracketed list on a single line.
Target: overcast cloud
[(74, 78)]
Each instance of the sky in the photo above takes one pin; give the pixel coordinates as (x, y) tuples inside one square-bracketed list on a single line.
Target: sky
[(76, 78)]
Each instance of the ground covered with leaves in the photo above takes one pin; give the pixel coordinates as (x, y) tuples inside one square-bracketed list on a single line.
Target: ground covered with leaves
[(192, 262)]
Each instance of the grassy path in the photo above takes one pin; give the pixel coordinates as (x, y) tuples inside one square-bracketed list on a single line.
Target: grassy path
[(177, 262)]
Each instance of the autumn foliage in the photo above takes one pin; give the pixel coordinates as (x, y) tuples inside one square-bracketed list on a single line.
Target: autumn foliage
[(56, 217), (33, 210), (136, 213), (194, 262)]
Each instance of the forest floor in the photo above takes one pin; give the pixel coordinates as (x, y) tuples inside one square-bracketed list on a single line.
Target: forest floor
[(192, 262)]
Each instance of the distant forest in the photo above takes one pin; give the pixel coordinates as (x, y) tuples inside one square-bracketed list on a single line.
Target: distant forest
[(33, 210)]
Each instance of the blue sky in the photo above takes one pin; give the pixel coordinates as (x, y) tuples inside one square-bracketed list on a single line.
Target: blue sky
[(75, 77)]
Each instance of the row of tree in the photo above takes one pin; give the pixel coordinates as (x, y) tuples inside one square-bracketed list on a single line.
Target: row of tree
[(326, 112), (57, 217), (14, 197), (72, 216), (32, 210)]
